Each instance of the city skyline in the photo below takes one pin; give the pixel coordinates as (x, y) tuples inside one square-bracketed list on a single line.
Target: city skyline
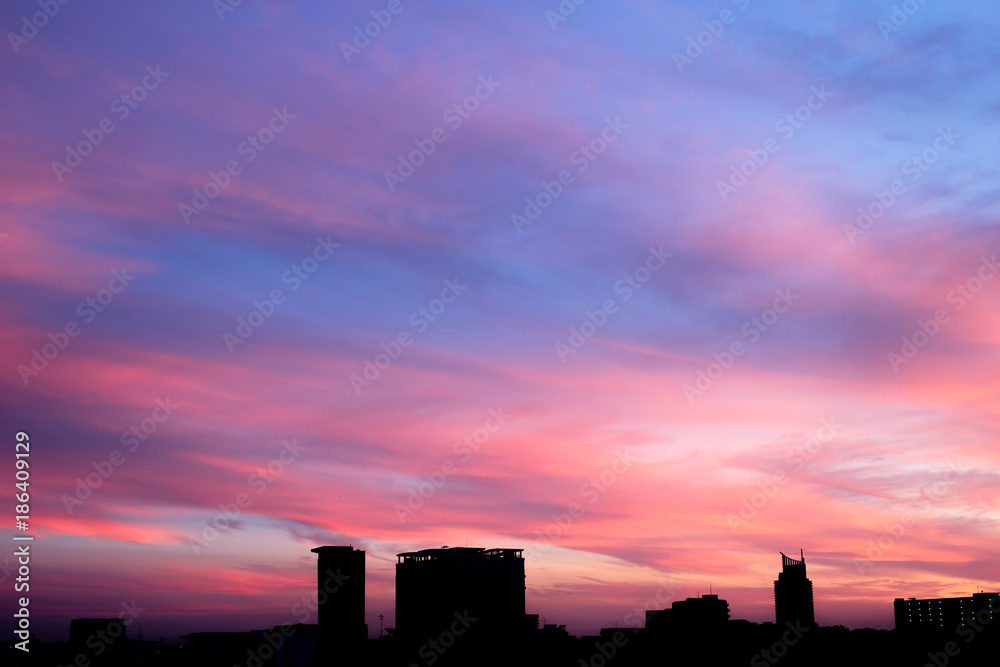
[(650, 290), (458, 604), (329, 576)]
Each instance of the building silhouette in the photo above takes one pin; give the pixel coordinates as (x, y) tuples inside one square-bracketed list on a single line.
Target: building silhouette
[(465, 606), (793, 593), (106, 630), (945, 613), (341, 602), (705, 612), (436, 586)]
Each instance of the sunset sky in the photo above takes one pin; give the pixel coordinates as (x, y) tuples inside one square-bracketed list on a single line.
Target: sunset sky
[(652, 290)]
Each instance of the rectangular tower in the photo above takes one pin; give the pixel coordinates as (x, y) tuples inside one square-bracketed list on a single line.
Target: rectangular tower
[(434, 585), (341, 591), (793, 593)]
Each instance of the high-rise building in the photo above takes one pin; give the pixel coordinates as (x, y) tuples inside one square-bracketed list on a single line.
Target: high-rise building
[(437, 587), (793, 593), (949, 614), (341, 591)]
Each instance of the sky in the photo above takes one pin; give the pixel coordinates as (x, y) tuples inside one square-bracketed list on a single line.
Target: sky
[(651, 290)]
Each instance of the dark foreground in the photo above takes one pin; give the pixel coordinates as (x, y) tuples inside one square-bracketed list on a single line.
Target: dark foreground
[(735, 643)]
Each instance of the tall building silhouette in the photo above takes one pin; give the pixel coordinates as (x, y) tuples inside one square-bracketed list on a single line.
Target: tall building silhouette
[(341, 591), (435, 586), (793, 593)]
